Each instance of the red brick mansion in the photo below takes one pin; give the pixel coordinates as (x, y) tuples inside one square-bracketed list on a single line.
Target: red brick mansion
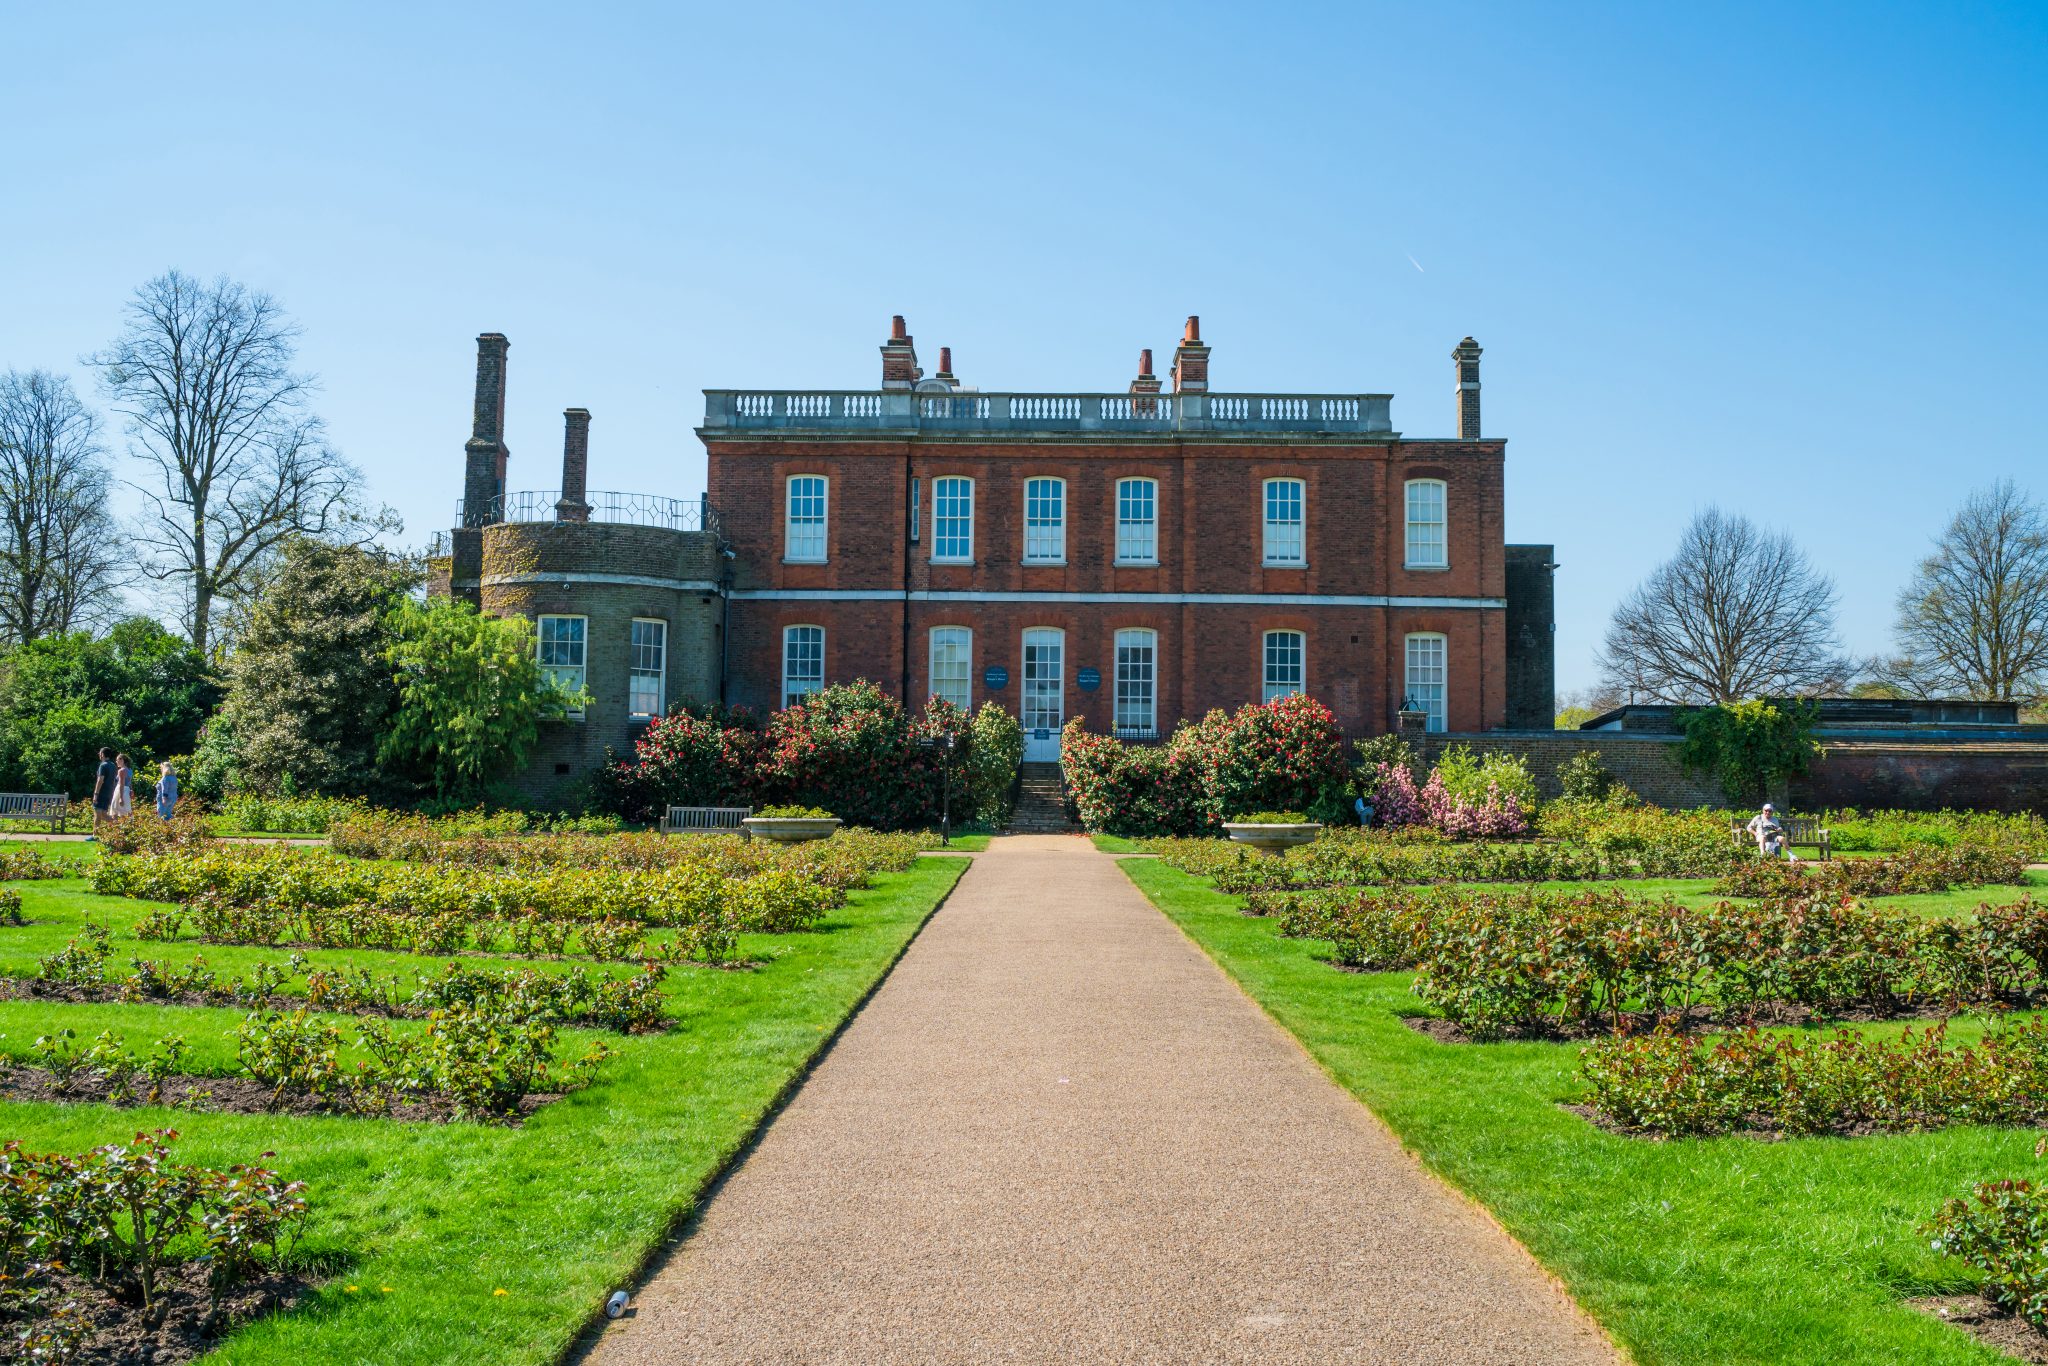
[(1131, 557)]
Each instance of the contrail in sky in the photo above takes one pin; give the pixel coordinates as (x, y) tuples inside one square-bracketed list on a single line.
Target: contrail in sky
[(1415, 263)]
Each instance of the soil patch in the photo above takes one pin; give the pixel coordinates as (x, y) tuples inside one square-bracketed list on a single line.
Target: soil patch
[(182, 1325), (1989, 1324), (238, 1096)]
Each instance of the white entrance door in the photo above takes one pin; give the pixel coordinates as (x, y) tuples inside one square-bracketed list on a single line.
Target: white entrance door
[(1045, 662)]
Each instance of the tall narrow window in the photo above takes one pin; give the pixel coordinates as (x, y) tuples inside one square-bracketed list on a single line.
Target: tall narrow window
[(1137, 521), (803, 662), (1426, 677), (1137, 708), (953, 520), (561, 648), (1426, 543), (647, 670), (1283, 521), (952, 650), (804, 533), (1283, 664), (1045, 521)]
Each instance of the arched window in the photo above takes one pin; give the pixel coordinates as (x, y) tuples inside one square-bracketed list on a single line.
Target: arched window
[(953, 520), (803, 535), (1137, 521), (1284, 651), (952, 653), (1426, 674), (1284, 517), (1428, 547), (1045, 521), (803, 662), (1137, 694)]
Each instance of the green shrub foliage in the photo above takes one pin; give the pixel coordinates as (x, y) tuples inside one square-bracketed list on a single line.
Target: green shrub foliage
[(1749, 746), (2002, 1232)]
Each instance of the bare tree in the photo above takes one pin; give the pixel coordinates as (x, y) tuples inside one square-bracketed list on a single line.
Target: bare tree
[(1973, 619), (236, 460), (60, 551), (1738, 612)]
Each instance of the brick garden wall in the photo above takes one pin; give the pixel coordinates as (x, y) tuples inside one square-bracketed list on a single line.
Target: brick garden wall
[(1647, 763)]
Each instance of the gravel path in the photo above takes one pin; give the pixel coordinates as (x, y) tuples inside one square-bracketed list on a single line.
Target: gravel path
[(1059, 1133)]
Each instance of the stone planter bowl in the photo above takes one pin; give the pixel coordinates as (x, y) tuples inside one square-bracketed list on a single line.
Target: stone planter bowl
[(792, 829), (1272, 839)]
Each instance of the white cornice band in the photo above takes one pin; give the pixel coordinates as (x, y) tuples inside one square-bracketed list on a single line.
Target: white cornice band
[(1154, 599)]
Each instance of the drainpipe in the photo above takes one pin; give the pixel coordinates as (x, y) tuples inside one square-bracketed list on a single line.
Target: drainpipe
[(903, 687)]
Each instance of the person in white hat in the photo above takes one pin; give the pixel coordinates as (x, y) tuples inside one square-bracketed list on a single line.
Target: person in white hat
[(1770, 836)]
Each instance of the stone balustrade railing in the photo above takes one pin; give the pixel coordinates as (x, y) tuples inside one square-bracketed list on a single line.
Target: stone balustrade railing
[(739, 410)]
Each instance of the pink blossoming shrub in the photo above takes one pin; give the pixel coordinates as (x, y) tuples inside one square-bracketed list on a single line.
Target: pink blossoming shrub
[(1493, 815)]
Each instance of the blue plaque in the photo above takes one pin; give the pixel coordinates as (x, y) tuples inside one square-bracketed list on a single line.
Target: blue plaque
[(995, 678), (1088, 680)]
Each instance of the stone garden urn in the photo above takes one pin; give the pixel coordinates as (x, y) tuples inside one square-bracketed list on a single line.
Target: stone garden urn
[(791, 829), (1272, 839)]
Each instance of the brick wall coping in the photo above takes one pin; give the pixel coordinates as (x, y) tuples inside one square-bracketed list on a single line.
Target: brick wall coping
[(630, 580), (1162, 599), (1306, 415)]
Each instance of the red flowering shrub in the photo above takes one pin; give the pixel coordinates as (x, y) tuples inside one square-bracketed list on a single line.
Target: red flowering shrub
[(1286, 755), (686, 759), (852, 749)]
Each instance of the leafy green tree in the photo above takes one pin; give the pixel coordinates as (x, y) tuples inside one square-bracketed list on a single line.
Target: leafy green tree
[(138, 688), (310, 690), (471, 694), (1571, 718)]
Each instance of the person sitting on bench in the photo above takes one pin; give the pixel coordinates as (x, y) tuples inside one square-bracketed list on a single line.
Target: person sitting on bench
[(1771, 838)]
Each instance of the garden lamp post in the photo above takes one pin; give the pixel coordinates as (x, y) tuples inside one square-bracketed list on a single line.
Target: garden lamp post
[(944, 745)]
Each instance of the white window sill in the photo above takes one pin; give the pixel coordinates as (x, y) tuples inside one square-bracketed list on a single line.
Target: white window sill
[(1045, 564), (1427, 568), (1137, 564), (963, 564), (1284, 564), (789, 560)]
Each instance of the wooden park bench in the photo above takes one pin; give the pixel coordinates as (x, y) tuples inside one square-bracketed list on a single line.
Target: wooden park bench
[(1801, 832), (49, 806), (705, 820)]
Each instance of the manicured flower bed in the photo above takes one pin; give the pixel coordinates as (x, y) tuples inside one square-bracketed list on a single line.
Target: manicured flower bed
[(2002, 1232), (124, 1254), (1669, 1085)]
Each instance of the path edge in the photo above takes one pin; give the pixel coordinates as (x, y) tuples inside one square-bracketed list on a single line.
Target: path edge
[(586, 1338), (1420, 1162)]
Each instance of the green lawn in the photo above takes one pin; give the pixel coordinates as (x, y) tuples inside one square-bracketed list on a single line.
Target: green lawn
[(1118, 844), (1714, 1251), (422, 1225)]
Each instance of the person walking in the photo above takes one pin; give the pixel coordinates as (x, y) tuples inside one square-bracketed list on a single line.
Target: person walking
[(167, 792), (103, 784), (124, 788)]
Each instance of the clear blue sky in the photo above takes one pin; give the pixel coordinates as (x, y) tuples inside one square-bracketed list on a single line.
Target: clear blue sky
[(1787, 258)]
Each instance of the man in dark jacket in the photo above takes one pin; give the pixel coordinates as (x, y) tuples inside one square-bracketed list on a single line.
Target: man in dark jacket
[(103, 788)]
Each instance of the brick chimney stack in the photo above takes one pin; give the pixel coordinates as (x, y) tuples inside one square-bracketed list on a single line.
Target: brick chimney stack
[(1191, 360), (572, 506), (483, 474), (945, 373), (1146, 382), (899, 358), (1467, 357)]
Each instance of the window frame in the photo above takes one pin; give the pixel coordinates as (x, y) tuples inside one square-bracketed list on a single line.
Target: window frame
[(635, 672), (931, 671), (818, 683), (1150, 525), (555, 672), (823, 522), (1056, 536), (1134, 637), (940, 486), (1269, 526), (1442, 524), (1267, 687), (1438, 721)]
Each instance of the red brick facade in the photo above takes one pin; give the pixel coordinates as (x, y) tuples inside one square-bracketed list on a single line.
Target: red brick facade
[(874, 592)]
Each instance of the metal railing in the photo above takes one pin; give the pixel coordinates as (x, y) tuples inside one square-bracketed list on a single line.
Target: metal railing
[(833, 410), (616, 509)]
